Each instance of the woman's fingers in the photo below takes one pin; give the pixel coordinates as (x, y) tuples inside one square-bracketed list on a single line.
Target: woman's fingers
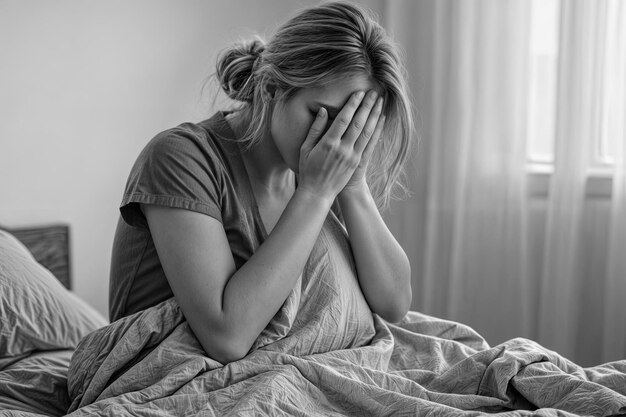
[(345, 116), (315, 132), (370, 127), (371, 144), (360, 119)]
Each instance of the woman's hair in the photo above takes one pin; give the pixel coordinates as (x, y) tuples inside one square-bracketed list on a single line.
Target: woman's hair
[(319, 45)]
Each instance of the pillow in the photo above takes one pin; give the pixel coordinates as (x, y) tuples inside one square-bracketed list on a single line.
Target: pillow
[(36, 311)]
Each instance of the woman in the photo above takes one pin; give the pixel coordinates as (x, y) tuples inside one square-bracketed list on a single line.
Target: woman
[(224, 214)]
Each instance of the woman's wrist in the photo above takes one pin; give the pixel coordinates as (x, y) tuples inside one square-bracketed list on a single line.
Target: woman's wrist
[(314, 199), (359, 191)]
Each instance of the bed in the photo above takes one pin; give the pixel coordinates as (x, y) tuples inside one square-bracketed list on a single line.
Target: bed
[(60, 357), (41, 320)]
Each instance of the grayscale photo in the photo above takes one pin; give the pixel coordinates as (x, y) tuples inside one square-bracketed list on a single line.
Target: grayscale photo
[(312, 208)]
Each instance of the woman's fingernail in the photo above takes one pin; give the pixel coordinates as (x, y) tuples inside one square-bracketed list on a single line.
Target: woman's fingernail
[(321, 113), (360, 95)]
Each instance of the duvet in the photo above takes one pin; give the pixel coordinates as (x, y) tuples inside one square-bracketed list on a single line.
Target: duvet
[(326, 354), (151, 364)]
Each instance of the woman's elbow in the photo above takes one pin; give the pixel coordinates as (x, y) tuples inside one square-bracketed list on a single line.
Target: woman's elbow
[(396, 312), (228, 356), (223, 348)]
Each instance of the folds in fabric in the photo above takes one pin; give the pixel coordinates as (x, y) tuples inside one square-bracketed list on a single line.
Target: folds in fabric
[(325, 353)]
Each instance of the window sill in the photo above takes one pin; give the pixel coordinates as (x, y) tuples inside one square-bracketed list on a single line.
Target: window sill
[(599, 182)]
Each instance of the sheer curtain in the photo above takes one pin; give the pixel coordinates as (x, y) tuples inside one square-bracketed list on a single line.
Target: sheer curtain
[(468, 227), (590, 104), (614, 329), (470, 260)]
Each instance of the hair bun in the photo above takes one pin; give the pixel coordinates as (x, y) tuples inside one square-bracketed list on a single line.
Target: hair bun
[(235, 68)]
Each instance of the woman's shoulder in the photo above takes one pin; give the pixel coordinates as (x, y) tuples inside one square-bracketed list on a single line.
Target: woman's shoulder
[(210, 132), (209, 139), (183, 166)]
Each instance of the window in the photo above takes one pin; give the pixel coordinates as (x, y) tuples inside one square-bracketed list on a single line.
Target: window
[(607, 38), (613, 40), (543, 82)]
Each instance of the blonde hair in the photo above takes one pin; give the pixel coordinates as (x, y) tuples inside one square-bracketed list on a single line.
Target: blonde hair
[(317, 46)]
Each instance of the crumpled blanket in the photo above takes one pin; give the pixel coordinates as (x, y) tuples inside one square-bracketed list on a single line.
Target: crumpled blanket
[(326, 354)]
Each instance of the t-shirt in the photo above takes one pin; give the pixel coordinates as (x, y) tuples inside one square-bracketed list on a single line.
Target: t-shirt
[(194, 166)]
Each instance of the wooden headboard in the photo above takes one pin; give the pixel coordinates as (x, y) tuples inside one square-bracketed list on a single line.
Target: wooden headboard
[(50, 246)]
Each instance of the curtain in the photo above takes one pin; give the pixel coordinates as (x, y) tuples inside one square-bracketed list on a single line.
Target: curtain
[(590, 103), (614, 337), (478, 254)]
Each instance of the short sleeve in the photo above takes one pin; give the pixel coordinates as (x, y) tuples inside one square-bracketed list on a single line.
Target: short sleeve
[(178, 168)]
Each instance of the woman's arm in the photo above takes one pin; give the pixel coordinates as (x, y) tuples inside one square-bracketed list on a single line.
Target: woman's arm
[(226, 308), (382, 266)]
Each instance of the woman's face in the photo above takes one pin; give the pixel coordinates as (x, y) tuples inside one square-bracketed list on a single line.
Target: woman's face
[(292, 119)]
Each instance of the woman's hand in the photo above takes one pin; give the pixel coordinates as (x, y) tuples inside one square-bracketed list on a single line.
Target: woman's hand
[(328, 164)]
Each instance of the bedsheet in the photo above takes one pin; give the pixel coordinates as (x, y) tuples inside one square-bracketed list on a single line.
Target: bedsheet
[(151, 364), (326, 354), (35, 383)]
